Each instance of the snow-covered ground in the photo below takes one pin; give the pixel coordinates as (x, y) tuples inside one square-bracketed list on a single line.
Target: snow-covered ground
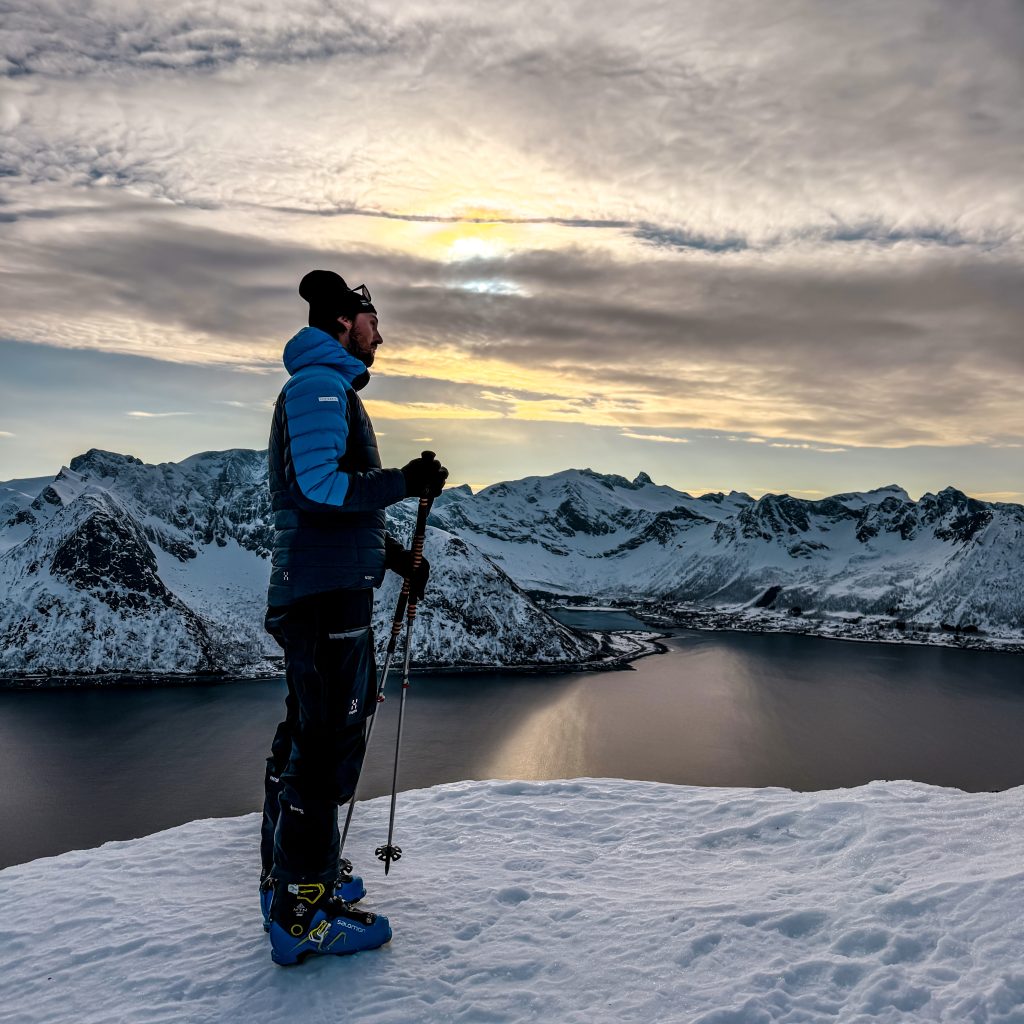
[(576, 901)]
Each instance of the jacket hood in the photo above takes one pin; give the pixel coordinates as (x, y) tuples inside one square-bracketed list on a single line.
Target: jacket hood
[(313, 347)]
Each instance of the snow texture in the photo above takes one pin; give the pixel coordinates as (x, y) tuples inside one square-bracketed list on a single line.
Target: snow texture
[(577, 902), (476, 615)]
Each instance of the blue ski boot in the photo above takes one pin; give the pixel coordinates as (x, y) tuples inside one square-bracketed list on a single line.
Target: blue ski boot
[(308, 919), (348, 887)]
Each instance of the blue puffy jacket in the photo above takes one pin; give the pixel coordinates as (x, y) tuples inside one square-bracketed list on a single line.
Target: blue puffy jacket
[(327, 488)]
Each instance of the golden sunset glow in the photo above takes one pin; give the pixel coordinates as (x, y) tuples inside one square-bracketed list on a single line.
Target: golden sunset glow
[(384, 410), (615, 236)]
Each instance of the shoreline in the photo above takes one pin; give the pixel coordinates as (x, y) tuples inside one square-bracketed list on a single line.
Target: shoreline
[(867, 629), (610, 659), (642, 644)]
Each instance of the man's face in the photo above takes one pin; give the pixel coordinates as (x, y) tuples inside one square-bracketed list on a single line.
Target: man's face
[(363, 337)]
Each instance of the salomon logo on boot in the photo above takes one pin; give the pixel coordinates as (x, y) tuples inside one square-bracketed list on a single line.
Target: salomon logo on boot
[(348, 888), (306, 918)]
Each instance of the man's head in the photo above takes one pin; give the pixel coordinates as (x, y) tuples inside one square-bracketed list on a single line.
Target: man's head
[(345, 313)]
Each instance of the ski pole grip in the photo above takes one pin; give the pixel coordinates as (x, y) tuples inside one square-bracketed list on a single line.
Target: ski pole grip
[(417, 547), (421, 529), (426, 457), (396, 622)]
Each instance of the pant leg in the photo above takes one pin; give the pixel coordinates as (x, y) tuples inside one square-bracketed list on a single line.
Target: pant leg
[(280, 751), (332, 675)]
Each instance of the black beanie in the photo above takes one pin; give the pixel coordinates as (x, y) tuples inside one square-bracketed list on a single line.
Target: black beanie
[(329, 297)]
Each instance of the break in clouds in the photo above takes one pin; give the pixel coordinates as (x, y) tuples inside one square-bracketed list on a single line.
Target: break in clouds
[(798, 220)]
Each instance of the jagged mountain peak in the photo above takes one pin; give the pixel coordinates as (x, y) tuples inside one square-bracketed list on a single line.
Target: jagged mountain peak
[(949, 493), (235, 465), (890, 490), (62, 490), (737, 498), (773, 516), (874, 496), (947, 500), (97, 462), (567, 478), (609, 480)]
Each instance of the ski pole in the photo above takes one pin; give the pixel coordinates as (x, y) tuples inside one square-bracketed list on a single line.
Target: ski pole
[(390, 852), (396, 629)]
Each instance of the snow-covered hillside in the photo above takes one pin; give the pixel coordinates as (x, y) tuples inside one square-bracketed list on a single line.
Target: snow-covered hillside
[(576, 902), (945, 558), (121, 567), (476, 615)]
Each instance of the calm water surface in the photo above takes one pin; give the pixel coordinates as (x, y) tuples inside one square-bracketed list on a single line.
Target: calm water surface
[(80, 767)]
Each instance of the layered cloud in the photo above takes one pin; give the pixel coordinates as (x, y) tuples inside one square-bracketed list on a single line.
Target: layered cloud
[(711, 126), (873, 348), (800, 222)]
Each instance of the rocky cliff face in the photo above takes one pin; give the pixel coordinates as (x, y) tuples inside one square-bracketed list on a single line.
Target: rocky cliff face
[(83, 594)]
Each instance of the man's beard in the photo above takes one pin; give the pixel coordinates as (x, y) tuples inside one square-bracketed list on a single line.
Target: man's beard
[(360, 347)]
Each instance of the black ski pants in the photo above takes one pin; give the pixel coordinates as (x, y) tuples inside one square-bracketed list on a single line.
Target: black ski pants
[(318, 749)]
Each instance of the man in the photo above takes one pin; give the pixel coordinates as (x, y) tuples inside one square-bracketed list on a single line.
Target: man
[(328, 494)]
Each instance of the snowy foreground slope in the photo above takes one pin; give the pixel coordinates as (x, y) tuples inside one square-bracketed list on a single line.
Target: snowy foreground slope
[(569, 902)]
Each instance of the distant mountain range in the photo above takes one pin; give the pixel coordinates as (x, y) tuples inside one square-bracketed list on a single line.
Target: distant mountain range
[(866, 565), (118, 566)]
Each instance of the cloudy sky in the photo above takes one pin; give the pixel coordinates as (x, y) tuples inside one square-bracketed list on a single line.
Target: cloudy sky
[(763, 246)]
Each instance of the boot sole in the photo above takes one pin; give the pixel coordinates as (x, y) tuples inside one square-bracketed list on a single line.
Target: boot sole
[(307, 953)]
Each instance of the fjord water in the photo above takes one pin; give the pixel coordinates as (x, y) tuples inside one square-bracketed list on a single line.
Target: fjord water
[(81, 767)]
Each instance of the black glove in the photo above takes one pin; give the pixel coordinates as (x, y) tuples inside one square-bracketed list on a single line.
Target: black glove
[(424, 476), (397, 559)]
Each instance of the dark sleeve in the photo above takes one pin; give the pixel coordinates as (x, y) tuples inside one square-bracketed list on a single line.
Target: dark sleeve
[(392, 548)]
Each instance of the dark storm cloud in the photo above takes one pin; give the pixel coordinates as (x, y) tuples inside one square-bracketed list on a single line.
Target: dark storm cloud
[(684, 240)]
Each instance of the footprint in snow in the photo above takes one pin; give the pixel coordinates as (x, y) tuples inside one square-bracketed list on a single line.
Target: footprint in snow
[(512, 895)]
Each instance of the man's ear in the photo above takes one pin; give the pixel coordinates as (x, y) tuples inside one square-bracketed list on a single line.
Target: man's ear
[(346, 324)]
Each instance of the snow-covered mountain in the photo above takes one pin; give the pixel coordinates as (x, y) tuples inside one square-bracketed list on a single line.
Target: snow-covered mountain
[(945, 558), (116, 566), (119, 566)]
